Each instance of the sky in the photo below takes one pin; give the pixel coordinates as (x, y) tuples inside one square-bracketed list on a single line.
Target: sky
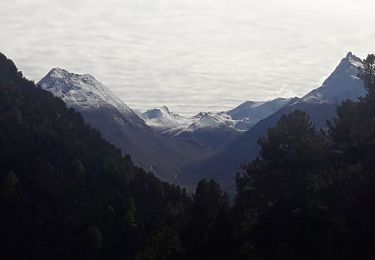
[(191, 55)]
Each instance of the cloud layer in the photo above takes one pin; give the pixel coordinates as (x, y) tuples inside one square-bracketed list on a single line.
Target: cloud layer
[(191, 55)]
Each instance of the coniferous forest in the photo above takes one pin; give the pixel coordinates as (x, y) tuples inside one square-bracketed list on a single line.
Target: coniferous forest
[(66, 193)]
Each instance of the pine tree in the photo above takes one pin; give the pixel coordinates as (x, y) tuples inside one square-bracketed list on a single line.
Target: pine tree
[(280, 212), (208, 233), (367, 74), (353, 146)]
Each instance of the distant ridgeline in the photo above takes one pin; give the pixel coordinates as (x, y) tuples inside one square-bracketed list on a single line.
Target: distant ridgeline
[(66, 193)]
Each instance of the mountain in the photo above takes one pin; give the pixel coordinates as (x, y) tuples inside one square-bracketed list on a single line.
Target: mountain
[(119, 124), (320, 104), (241, 118), (84, 92), (208, 129)]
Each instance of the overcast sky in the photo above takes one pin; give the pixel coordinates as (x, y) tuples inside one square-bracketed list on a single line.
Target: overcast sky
[(191, 55)]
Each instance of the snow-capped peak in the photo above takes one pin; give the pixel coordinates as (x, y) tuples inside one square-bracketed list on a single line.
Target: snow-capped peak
[(81, 91), (162, 118), (240, 118), (210, 119), (251, 112), (342, 84)]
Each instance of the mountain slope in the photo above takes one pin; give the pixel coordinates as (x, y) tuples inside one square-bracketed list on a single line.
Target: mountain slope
[(119, 124), (320, 104)]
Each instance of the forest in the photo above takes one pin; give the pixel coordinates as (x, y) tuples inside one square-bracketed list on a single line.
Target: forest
[(66, 193)]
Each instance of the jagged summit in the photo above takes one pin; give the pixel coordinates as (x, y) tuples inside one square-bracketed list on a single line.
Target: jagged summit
[(352, 58), (209, 119), (342, 84)]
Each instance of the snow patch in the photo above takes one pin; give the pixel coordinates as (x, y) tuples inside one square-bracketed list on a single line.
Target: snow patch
[(81, 91)]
